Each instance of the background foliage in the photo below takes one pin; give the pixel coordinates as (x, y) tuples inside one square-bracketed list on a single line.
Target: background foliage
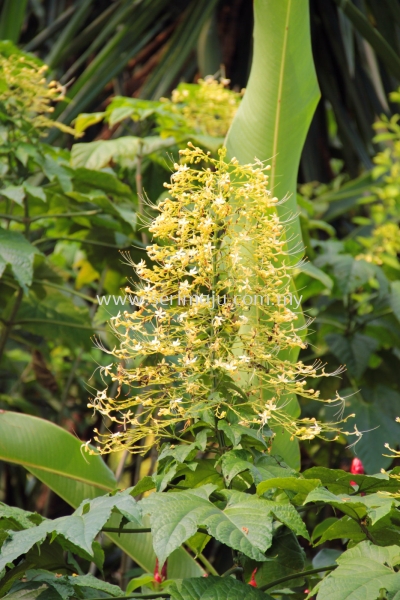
[(68, 205)]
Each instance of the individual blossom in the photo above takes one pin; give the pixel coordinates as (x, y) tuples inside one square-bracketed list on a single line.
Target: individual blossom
[(177, 363)]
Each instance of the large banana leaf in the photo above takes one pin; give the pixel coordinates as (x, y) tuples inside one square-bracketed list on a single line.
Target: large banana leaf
[(54, 456), (280, 99), (273, 120)]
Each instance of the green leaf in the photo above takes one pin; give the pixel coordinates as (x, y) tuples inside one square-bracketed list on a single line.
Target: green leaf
[(91, 180), (54, 457), (245, 523), (236, 432), (24, 594), (80, 528), (85, 120), (357, 507), (354, 351), (137, 582), (264, 467), (204, 473), (35, 191), (344, 528), (56, 317), (214, 588), (88, 581), (12, 19), (175, 517), (363, 571), (338, 481), (99, 154), (325, 557), (138, 109), (351, 273), (60, 585), (293, 484), (376, 414), (16, 251), (22, 519), (309, 269), (280, 99), (15, 193), (285, 557)]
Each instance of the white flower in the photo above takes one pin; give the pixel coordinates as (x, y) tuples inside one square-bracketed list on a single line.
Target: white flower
[(244, 358), (155, 342), (230, 366), (264, 416), (184, 286), (217, 321), (189, 361), (160, 313), (245, 286), (193, 271), (138, 347), (235, 257), (243, 319), (219, 200), (208, 247), (176, 343)]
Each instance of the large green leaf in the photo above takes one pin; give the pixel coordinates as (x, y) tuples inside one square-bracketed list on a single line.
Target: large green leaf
[(245, 523), (375, 506), (80, 528), (272, 122), (54, 456), (281, 96), (51, 453), (338, 481), (363, 571)]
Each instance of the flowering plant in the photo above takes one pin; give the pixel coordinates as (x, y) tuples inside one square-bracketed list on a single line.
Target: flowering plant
[(187, 360)]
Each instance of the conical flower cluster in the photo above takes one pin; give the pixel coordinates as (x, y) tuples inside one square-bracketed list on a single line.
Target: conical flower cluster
[(26, 97), (213, 314)]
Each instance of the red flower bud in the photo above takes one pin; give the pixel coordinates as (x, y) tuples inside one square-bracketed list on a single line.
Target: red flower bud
[(357, 468), (159, 577), (253, 581), (164, 571)]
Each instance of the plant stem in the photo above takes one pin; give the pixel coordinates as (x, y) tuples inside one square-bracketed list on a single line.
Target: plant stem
[(296, 576), (127, 530), (80, 241), (65, 288), (232, 570), (144, 596)]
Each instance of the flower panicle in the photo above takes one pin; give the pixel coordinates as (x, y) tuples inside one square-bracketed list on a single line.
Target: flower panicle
[(181, 353)]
